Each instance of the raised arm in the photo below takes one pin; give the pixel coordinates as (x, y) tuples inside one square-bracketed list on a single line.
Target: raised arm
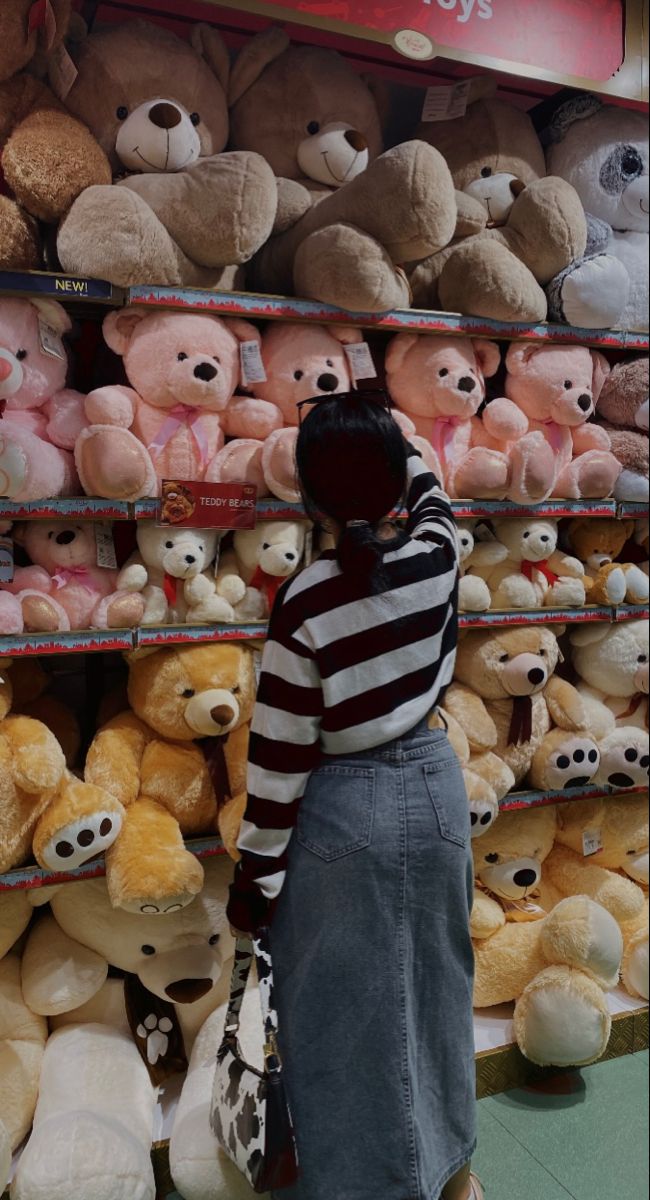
[(430, 518)]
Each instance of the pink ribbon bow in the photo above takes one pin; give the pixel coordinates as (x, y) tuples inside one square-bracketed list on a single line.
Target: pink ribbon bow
[(69, 574), (443, 434), (181, 415)]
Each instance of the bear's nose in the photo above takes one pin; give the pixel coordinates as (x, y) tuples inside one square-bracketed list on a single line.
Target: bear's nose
[(64, 539), (289, 557), (356, 140), (189, 558), (165, 116), (327, 383), (584, 402), (205, 371), (536, 675), (187, 991), (221, 714), (524, 878), (545, 538), (466, 384)]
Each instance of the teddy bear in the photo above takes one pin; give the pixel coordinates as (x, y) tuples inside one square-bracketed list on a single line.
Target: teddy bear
[(176, 761), (180, 211), (543, 423), (598, 542), (622, 410), (602, 150), (509, 703), (129, 1000), (42, 416), (611, 662), (44, 809), (517, 226), (184, 370), (525, 569), (22, 1035), (32, 697), (601, 850), (63, 588), (48, 157), (173, 570), (439, 383), (263, 558), (484, 790), (473, 591), (348, 215), (554, 957)]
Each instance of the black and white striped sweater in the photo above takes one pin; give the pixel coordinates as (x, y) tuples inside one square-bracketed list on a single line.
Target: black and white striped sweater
[(343, 672)]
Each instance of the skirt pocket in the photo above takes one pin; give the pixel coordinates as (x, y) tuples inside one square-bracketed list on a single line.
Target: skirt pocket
[(336, 814), (446, 788)]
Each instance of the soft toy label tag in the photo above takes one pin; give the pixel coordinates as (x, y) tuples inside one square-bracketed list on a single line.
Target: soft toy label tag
[(591, 842), (250, 360), (62, 72), (51, 343), (446, 103), (207, 505), (360, 361), (6, 560), (105, 545)]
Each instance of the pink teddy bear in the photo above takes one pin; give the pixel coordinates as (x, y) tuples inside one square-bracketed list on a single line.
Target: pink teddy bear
[(439, 384), (64, 588), (544, 425), (184, 370), (41, 416)]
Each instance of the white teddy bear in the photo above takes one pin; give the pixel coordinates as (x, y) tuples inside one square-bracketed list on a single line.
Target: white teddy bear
[(262, 558), (523, 567), (602, 150), (473, 591), (171, 568)]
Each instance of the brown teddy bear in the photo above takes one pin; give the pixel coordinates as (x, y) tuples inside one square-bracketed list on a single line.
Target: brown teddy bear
[(177, 763), (623, 411), (517, 227), (509, 703), (181, 211), (598, 542), (348, 215), (48, 158)]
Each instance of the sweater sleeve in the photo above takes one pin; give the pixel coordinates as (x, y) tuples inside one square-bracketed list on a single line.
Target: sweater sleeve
[(430, 516), (284, 748)]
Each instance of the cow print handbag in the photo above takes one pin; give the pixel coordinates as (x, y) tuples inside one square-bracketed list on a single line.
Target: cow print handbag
[(250, 1115)]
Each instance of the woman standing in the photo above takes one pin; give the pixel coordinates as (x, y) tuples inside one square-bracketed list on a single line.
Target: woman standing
[(369, 900)]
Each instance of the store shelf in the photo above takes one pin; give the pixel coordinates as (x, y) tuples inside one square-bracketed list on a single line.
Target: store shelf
[(515, 801), (68, 289), (69, 508), (188, 635), (498, 619), (633, 508), (632, 612), (26, 645)]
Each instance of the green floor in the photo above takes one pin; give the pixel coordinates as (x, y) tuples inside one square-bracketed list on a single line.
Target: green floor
[(580, 1136)]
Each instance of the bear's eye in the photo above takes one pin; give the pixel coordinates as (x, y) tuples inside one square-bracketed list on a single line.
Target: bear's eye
[(235, 690), (169, 545), (181, 357), (214, 939), (631, 852), (217, 359), (187, 693), (298, 374), (313, 127), (195, 118), (266, 545), (443, 372), (21, 355), (122, 113), (642, 658), (146, 949), (568, 385), (631, 163), (486, 172), (504, 658), (527, 534), (328, 362), (492, 858)]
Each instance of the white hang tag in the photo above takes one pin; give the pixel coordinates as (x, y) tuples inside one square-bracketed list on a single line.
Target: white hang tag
[(446, 103), (6, 560), (51, 341), (591, 842), (216, 559), (252, 367), (62, 72), (257, 664), (360, 361), (308, 552), (106, 556)]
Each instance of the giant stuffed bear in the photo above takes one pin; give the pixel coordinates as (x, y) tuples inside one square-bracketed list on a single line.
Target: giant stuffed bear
[(342, 231), (180, 211)]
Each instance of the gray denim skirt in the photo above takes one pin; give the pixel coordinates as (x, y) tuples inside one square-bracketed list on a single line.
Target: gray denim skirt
[(373, 974)]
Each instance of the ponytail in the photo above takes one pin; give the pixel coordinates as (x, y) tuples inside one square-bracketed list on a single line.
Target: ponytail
[(360, 554)]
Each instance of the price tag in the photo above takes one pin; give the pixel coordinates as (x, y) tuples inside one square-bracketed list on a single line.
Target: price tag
[(6, 560), (446, 103), (106, 556), (62, 72), (252, 367), (51, 342), (591, 842), (360, 361)]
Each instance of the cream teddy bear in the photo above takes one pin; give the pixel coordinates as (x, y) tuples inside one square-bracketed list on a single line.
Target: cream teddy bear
[(473, 591), (555, 960), (171, 569), (614, 873), (530, 571), (262, 558)]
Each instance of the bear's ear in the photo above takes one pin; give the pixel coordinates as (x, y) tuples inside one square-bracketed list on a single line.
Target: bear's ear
[(244, 331), (519, 356), (119, 326), (346, 335), (398, 348), (261, 50), (588, 635), (600, 371), (208, 42), (53, 314), (487, 355)]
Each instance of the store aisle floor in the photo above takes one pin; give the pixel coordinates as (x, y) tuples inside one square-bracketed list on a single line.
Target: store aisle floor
[(578, 1136)]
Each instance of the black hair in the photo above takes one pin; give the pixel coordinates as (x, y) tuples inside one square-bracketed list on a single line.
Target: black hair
[(351, 460)]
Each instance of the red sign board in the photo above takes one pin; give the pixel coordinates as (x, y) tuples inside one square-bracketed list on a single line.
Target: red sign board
[(207, 505)]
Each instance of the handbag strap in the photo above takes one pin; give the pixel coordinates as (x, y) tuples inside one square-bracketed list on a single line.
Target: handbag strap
[(245, 951)]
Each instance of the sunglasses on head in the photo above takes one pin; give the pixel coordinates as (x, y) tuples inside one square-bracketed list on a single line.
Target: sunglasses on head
[(375, 396)]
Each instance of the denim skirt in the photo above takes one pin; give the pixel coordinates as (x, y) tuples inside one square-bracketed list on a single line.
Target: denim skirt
[(373, 974)]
